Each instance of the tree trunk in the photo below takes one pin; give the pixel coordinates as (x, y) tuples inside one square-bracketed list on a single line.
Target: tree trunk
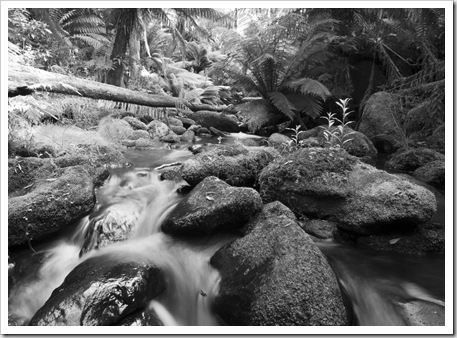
[(134, 54), (24, 79)]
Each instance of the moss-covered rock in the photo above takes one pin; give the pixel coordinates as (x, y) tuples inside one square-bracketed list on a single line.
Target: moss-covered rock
[(278, 140), (52, 204), (381, 122), (275, 275), (208, 119), (212, 206), (234, 164), (102, 290), (178, 130), (158, 129), (437, 140), (330, 184), (412, 159), (319, 228), (432, 173)]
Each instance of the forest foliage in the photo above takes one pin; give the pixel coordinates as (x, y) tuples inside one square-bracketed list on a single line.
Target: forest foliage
[(298, 61)]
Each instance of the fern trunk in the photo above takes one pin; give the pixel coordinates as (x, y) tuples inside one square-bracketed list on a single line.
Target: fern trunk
[(26, 79)]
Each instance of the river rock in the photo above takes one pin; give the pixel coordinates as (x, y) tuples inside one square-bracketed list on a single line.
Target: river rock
[(186, 122), (194, 128), (173, 121), (212, 206), (432, 173), (328, 183), (135, 123), (102, 290), (208, 119), (137, 134), (50, 205), (171, 138), (158, 129), (422, 313), (178, 130), (380, 122), (412, 159), (142, 318), (234, 164), (279, 140), (188, 136), (319, 228), (275, 275)]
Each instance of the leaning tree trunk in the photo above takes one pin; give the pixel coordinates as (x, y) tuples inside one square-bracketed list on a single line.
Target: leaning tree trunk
[(23, 80)]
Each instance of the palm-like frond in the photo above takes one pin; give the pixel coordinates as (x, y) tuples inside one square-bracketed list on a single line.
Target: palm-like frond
[(281, 102), (307, 86)]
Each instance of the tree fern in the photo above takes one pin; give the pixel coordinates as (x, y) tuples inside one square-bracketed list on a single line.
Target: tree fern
[(281, 102)]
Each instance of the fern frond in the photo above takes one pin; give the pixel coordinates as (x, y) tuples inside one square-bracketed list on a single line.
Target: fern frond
[(281, 102), (308, 86)]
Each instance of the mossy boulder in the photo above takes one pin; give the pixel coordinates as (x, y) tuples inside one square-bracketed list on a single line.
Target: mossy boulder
[(208, 119), (173, 121), (437, 140), (277, 140), (234, 164), (412, 159), (381, 122), (319, 228), (50, 205), (275, 275), (102, 290), (188, 136), (158, 129), (432, 173), (330, 184), (178, 130), (212, 206)]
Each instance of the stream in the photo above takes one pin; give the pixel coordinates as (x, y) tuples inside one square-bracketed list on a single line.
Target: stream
[(374, 282)]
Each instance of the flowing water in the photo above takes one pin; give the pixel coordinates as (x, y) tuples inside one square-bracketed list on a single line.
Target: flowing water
[(374, 282)]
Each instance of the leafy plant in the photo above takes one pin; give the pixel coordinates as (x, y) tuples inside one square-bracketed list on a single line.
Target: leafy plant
[(338, 136)]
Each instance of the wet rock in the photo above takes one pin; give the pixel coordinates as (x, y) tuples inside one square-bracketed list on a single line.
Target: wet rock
[(426, 239), (319, 228), (208, 119), (194, 128), (141, 318), (102, 290), (115, 130), (275, 275), (22, 173), (173, 121), (171, 138), (188, 136), (137, 134), (422, 313), (432, 173), (379, 122), (135, 123), (234, 164), (178, 130), (158, 129), (186, 122), (50, 206), (147, 143), (212, 206), (330, 184), (412, 159), (278, 140), (203, 130), (129, 143)]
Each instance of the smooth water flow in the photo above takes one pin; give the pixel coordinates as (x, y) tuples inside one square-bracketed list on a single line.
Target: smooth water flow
[(374, 283)]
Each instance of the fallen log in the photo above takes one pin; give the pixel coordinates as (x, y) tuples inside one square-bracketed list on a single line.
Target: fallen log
[(25, 79)]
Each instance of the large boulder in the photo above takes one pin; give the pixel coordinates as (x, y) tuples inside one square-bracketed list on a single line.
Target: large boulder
[(213, 206), (208, 119), (234, 164), (275, 275), (412, 159), (328, 183), (381, 122), (50, 204), (102, 290), (280, 141)]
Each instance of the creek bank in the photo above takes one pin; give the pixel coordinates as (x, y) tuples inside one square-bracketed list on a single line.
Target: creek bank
[(102, 290), (275, 275)]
